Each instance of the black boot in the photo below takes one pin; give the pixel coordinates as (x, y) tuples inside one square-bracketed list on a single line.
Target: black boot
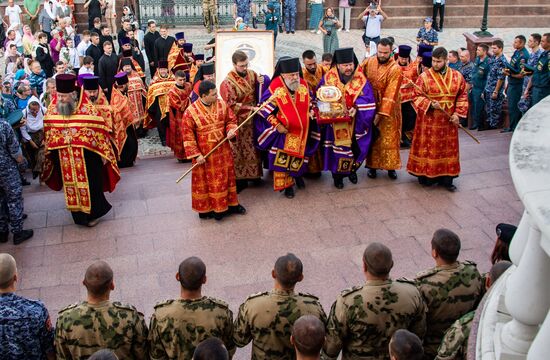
[(353, 177), (392, 174), (338, 182), (372, 173), (207, 215), (237, 209), (289, 192), (21, 236)]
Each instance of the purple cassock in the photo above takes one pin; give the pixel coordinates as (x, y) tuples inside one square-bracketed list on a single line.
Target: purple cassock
[(345, 145), (273, 142)]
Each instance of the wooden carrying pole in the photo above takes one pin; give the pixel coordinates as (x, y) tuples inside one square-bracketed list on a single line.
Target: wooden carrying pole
[(227, 138)]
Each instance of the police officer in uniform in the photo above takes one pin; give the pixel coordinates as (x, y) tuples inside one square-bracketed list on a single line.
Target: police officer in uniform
[(363, 318), (98, 323), (479, 81), (515, 81), (27, 332), (178, 326), (11, 188), (540, 82), (450, 289), (494, 94), (267, 318)]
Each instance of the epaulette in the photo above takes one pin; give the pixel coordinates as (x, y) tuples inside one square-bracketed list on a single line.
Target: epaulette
[(257, 295), (219, 302), (124, 306), (309, 295), (72, 306), (163, 303), (426, 273), (469, 262), (405, 281), (350, 291)]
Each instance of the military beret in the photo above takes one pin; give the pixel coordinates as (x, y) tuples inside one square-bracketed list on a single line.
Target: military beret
[(505, 232)]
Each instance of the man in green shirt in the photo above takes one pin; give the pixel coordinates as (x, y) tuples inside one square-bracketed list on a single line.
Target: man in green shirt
[(32, 9)]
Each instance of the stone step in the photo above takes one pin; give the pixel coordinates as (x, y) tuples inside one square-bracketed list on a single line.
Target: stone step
[(414, 3), (517, 21), (473, 10)]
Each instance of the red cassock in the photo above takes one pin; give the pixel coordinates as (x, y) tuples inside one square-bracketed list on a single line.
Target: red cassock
[(178, 100), (434, 150)]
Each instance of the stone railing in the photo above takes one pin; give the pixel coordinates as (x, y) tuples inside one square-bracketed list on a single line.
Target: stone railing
[(515, 320)]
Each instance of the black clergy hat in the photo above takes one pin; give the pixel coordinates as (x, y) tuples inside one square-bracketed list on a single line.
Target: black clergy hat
[(125, 40), (127, 53), (163, 64), (187, 47), (204, 69), (424, 48), (180, 35), (427, 59), (199, 56), (343, 56), (404, 51), (125, 61), (505, 232), (65, 83), (289, 66), (91, 83), (121, 78)]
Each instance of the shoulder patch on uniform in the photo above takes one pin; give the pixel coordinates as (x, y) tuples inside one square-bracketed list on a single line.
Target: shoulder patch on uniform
[(350, 291), (257, 295), (163, 303), (405, 281), (427, 273), (308, 295), (124, 306), (469, 262), (219, 302), (69, 307)]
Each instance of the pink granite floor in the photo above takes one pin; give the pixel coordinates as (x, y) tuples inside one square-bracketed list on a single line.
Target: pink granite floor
[(151, 228)]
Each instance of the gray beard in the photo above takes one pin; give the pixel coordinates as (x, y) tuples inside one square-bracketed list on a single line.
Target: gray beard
[(66, 109), (293, 86)]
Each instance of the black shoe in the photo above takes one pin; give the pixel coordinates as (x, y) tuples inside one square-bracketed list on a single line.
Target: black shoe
[(392, 174), (353, 177), (339, 183), (288, 32), (25, 216), (218, 216), (372, 173), (450, 188), (4, 236), (21, 236), (207, 215), (289, 192), (424, 181), (281, 28), (25, 182), (237, 209), (292, 32), (163, 142), (241, 185), (300, 182), (254, 25)]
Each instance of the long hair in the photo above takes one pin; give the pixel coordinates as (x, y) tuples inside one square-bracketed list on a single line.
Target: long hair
[(325, 16), (500, 252)]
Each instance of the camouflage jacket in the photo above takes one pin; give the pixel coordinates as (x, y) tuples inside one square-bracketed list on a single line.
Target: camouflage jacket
[(83, 328), (266, 319), (363, 318), (178, 326), (449, 291), (455, 342)]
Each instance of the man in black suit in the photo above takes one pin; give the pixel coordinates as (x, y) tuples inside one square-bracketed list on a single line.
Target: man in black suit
[(94, 51), (149, 42), (163, 45)]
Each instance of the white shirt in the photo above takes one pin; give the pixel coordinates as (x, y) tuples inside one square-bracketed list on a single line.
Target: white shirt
[(82, 47), (85, 70), (71, 55), (13, 13), (374, 25), (34, 123)]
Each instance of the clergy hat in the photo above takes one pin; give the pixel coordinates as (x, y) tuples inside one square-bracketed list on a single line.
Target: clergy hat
[(204, 69), (125, 40), (199, 56), (65, 83), (289, 66), (424, 48), (121, 78), (404, 51), (162, 64), (127, 53), (427, 59), (180, 35), (91, 83), (81, 77), (125, 61), (343, 55), (505, 232), (187, 47)]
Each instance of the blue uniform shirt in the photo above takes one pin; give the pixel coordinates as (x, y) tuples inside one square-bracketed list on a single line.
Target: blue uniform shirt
[(456, 66), (430, 36), (496, 73), (466, 71), (541, 77), (519, 58), (26, 332), (480, 72)]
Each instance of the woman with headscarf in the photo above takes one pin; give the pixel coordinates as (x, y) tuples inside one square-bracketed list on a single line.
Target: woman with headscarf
[(28, 41), (329, 25)]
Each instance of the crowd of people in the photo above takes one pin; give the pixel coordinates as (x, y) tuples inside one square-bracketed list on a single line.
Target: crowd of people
[(428, 317)]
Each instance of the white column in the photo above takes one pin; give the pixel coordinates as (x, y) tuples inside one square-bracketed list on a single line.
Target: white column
[(527, 297), (519, 242)]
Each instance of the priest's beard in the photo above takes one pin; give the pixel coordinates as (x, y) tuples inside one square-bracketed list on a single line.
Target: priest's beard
[(93, 99), (383, 60), (241, 74), (66, 109), (292, 85), (345, 78), (441, 70)]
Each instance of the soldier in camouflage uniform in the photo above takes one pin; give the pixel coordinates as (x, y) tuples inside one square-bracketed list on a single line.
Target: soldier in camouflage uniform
[(266, 318), (26, 330), (178, 326), (450, 289), (363, 318), (210, 14), (98, 323), (494, 88), (454, 345)]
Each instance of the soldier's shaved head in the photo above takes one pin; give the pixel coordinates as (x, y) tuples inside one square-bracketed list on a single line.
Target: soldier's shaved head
[(8, 270), (404, 345), (104, 354), (98, 278), (288, 270), (378, 259), (211, 349), (191, 273), (308, 335), (447, 245)]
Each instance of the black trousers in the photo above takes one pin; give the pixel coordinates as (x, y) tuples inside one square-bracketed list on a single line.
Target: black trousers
[(441, 9)]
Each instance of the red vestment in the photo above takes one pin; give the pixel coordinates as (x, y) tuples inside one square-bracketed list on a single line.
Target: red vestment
[(136, 94), (122, 118), (316, 161), (158, 90), (434, 150), (240, 95), (85, 129), (213, 186), (178, 100)]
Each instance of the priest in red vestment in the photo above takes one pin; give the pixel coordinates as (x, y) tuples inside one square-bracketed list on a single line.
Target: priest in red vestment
[(179, 99), (409, 69), (440, 101), (137, 92), (206, 71), (206, 122), (157, 100), (176, 49), (79, 157), (123, 124)]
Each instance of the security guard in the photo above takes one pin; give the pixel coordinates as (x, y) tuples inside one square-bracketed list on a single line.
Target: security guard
[(479, 81), (494, 90), (515, 81), (541, 78)]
